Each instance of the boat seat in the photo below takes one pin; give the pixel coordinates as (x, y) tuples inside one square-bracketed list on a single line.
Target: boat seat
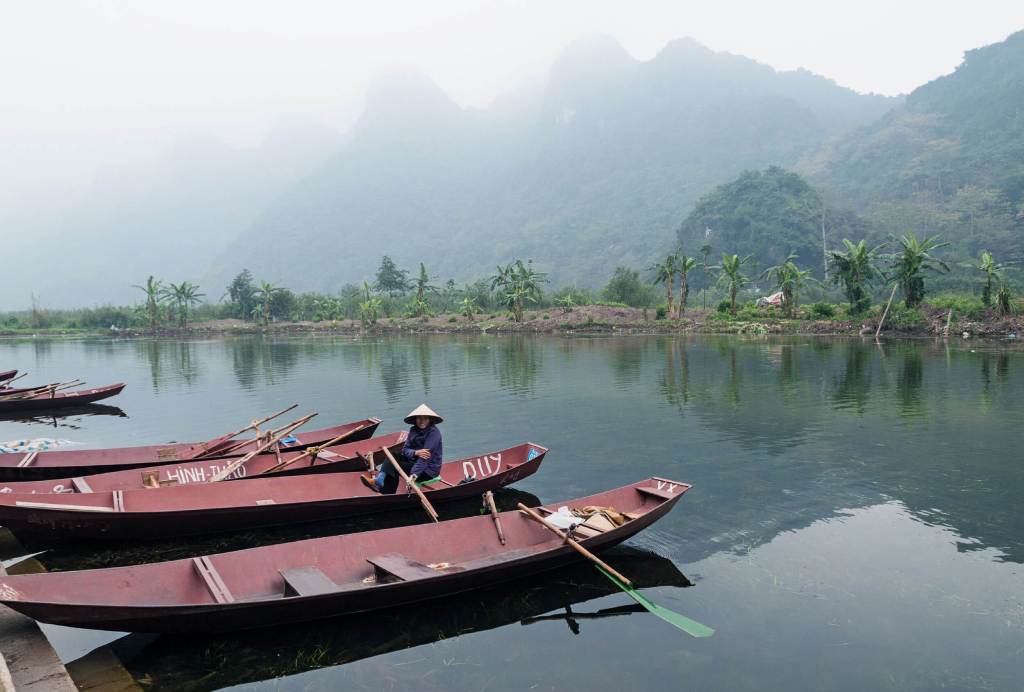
[(306, 581), (396, 566), (663, 494), (80, 485), (218, 589)]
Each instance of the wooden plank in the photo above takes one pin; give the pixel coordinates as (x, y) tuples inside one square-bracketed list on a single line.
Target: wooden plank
[(28, 459), (663, 494), (54, 505), (214, 582), (306, 581), (80, 485), (118, 499), (401, 567)]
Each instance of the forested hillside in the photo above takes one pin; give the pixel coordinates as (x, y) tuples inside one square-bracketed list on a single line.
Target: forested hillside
[(767, 214), (950, 160), (597, 171)]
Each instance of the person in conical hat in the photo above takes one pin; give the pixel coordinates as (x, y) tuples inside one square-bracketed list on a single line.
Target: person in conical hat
[(421, 456)]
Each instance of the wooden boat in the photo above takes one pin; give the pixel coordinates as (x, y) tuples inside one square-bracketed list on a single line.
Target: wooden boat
[(67, 463), (246, 658), (7, 374), (348, 456), (55, 400), (213, 507), (324, 577)]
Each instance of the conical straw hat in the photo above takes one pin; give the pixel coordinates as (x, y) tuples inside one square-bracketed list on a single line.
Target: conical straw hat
[(423, 410)]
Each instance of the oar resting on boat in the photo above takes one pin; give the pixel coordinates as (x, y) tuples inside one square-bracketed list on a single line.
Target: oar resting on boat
[(69, 463), (324, 577), (213, 507), (347, 456)]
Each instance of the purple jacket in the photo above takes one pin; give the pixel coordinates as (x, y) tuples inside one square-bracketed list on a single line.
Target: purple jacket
[(430, 438)]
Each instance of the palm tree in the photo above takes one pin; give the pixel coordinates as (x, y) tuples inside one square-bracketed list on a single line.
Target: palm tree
[(665, 273), (264, 295), (520, 284), (732, 275), (908, 265), (154, 291), (993, 272), (788, 279), (183, 295), (684, 266), (856, 270), (423, 286)]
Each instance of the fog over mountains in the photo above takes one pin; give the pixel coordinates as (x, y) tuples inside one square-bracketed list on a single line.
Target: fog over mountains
[(595, 168)]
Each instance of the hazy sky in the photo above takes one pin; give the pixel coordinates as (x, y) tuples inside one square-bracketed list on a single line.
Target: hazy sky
[(92, 83)]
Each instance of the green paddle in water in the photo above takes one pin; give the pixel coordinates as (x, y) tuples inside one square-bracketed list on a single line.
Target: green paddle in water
[(691, 627)]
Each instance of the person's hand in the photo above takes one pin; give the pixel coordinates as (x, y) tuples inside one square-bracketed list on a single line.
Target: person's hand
[(412, 482), (422, 453)]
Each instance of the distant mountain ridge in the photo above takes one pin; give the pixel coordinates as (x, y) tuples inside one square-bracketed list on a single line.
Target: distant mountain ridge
[(599, 172)]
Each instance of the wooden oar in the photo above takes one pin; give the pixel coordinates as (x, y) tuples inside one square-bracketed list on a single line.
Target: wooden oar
[(576, 546), (7, 384), (212, 445), (46, 389), (489, 504), (234, 465), (409, 484), (311, 451), (691, 627)]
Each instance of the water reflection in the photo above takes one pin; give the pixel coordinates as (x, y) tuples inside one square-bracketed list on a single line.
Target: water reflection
[(517, 362), (910, 381), (70, 417), (260, 360), (209, 662), (853, 388)]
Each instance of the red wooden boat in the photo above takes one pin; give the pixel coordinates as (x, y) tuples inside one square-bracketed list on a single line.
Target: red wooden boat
[(7, 374), (55, 400), (347, 456), (324, 577), (212, 507), (65, 463)]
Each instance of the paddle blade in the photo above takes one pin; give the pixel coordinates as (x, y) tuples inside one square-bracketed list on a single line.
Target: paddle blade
[(691, 627)]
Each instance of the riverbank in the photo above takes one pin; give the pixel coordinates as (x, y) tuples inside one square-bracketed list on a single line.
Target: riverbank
[(928, 321)]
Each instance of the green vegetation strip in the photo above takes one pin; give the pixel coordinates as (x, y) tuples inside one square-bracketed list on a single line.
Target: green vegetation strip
[(691, 627)]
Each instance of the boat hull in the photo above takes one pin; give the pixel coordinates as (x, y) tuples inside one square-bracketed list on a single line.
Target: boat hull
[(230, 506), (47, 402), (82, 462), (531, 550)]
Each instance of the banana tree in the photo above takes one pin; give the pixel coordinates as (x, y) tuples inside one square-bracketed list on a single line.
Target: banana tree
[(856, 270), (154, 291), (911, 261), (665, 273), (731, 274)]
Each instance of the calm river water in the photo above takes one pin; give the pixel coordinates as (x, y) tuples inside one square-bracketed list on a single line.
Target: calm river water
[(855, 523)]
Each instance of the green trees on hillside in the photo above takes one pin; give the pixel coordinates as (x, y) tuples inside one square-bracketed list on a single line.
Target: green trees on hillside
[(183, 296)]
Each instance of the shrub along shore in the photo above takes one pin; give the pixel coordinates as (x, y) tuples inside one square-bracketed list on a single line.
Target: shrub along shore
[(930, 319)]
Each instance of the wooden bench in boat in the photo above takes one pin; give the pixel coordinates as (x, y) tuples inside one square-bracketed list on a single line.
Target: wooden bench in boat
[(218, 589), (306, 581), (80, 485), (663, 494), (392, 566)]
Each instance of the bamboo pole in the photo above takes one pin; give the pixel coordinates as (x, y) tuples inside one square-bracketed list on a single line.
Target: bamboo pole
[(7, 384), (576, 546), (489, 504), (211, 446), (230, 468), (886, 312), (310, 451), (40, 391), (412, 486)]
